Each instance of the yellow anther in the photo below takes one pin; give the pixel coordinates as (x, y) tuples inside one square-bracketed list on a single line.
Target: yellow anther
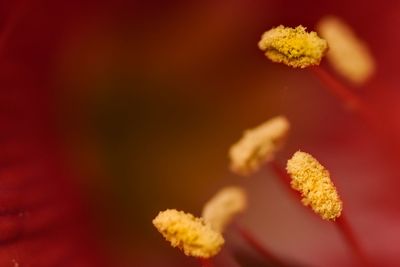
[(294, 47), (313, 181), (192, 235), (220, 209), (258, 145), (347, 54)]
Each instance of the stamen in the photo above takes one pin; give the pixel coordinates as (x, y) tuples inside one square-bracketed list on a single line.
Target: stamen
[(297, 48), (313, 181), (258, 145), (192, 235), (347, 54), (224, 206), (293, 46)]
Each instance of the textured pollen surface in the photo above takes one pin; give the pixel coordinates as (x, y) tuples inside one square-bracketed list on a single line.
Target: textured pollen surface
[(313, 181), (192, 235), (222, 208), (258, 145), (347, 54), (293, 46)]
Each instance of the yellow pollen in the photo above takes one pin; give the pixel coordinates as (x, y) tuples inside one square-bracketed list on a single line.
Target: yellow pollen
[(221, 209), (347, 54), (294, 47), (313, 181), (192, 235), (258, 145)]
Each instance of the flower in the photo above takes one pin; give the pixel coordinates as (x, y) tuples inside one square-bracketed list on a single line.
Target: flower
[(193, 235), (164, 139)]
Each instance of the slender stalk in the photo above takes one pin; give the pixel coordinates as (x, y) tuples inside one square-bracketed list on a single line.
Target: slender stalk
[(341, 223), (257, 246), (349, 99), (281, 173), (361, 108), (206, 262), (347, 232)]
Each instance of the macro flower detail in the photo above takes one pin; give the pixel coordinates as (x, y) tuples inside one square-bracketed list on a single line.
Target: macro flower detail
[(192, 235), (347, 54), (294, 47), (112, 111), (313, 181), (221, 208), (258, 145)]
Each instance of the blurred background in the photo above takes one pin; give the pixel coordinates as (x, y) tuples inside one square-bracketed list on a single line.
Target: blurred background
[(144, 98)]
